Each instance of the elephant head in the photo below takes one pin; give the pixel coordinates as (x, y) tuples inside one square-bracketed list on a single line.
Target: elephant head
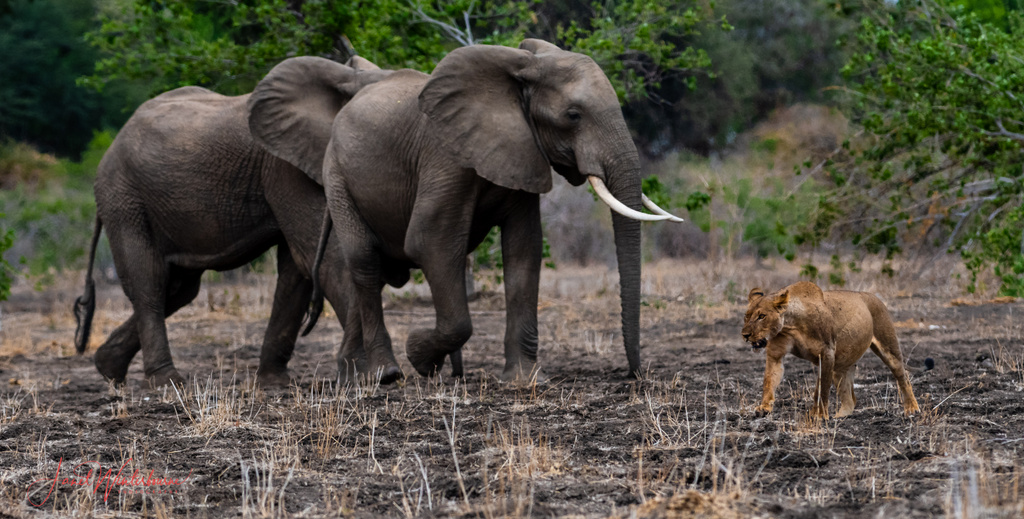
[(292, 108), (514, 114)]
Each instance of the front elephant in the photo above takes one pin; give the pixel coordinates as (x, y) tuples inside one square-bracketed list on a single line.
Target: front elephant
[(440, 159), (185, 188)]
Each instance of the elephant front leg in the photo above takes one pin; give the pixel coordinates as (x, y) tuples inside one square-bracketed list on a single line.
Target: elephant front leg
[(522, 248), (437, 239), (427, 348), (291, 297)]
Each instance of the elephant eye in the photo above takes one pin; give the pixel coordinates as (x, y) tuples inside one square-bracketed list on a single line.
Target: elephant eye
[(574, 116)]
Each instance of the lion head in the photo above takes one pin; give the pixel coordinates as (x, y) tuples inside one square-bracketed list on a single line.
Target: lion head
[(764, 319)]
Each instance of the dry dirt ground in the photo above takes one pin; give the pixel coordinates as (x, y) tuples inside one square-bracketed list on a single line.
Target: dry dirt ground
[(684, 442)]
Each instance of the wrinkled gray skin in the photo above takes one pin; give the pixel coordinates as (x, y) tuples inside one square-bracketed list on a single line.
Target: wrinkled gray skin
[(420, 167), (185, 188)]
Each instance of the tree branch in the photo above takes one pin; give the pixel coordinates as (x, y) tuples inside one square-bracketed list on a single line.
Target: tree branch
[(1004, 133), (464, 38)]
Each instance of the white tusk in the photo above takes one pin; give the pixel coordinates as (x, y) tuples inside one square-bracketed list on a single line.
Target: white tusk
[(619, 207), (648, 203)]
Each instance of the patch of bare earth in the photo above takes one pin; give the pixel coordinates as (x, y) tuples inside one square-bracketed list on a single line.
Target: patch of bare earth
[(682, 443)]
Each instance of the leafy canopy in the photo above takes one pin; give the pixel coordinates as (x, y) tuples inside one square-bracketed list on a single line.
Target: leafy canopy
[(939, 92), (43, 54), (229, 46)]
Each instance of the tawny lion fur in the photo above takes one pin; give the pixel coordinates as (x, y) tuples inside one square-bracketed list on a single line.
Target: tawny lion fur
[(832, 330)]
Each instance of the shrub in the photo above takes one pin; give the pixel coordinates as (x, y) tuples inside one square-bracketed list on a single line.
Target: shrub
[(50, 215)]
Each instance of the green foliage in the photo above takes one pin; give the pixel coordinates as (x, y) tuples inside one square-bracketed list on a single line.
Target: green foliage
[(765, 219), (777, 53), (488, 255), (645, 46), (940, 92), (6, 271), (228, 47), (51, 219), (1003, 248), (43, 54), (633, 41), (695, 202)]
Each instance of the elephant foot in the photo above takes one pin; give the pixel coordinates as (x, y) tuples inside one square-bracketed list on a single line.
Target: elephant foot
[(111, 369), (165, 376), (427, 364), (423, 354), (113, 363), (525, 372), (387, 374), (457, 369), (353, 362), (267, 378)]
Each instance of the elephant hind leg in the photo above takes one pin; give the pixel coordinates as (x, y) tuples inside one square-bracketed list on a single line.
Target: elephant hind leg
[(146, 280), (115, 355)]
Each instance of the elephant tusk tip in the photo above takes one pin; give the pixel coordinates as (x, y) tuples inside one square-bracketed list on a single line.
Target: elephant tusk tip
[(602, 192), (649, 204)]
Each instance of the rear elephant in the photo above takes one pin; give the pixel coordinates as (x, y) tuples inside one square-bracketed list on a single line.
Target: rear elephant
[(185, 188)]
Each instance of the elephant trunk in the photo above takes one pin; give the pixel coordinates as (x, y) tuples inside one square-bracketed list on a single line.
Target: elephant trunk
[(623, 179)]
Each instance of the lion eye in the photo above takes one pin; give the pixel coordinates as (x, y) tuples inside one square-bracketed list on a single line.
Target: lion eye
[(759, 317)]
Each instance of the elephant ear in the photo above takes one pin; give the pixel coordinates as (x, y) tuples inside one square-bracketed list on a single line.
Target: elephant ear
[(475, 102), (292, 109), (360, 63), (538, 46)]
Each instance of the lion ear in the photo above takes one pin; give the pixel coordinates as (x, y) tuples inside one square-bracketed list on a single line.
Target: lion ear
[(755, 293), (781, 301)]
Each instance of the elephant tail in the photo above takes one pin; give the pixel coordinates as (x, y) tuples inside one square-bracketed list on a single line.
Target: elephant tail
[(316, 305), (85, 305)]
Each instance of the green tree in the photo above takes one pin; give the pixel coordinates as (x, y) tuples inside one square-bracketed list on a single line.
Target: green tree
[(939, 93), (43, 51), (229, 46), (6, 271)]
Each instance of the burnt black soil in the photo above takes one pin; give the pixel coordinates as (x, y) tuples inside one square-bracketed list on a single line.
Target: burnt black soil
[(588, 441)]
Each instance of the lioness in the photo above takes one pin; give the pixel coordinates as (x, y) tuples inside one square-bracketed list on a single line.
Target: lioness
[(831, 329)]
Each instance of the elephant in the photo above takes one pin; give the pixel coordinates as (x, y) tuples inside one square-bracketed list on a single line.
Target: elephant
[(420, 167), (185, 188)]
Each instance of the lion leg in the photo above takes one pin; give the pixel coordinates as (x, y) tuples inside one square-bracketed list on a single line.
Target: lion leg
[(826, 363), (844, 390), (889, 352), (772, 376)]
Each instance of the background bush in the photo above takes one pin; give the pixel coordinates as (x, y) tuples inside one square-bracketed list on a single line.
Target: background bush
[(815, 131)]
